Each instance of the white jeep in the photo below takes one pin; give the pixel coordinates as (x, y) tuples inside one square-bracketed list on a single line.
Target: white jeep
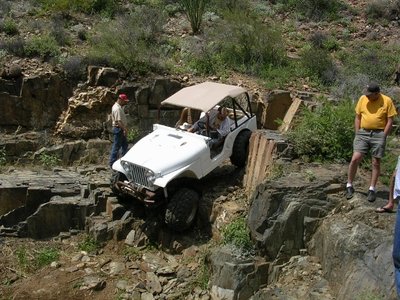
[(164, 167)]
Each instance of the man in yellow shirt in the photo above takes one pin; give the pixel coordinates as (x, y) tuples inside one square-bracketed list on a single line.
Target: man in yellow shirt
[(372, 124)]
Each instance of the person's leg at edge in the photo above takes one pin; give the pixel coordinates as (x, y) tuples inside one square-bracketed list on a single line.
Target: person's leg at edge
[(396, 252), (117, 132), (390, 204)]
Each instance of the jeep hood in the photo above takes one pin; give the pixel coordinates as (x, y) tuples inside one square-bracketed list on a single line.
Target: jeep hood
[(166, 150)]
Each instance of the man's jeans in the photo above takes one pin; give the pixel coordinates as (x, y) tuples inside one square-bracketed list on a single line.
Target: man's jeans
[(120, 143), (396, 250)]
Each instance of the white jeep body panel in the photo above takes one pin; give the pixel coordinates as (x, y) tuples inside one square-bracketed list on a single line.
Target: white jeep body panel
[(170, 152)]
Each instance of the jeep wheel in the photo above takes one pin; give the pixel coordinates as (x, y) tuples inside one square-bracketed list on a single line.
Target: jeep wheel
[(182, 209), (240, 149), (115, 177)]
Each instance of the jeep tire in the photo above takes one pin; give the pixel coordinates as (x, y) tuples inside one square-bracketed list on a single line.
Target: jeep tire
[(240, 149), (181, 209)]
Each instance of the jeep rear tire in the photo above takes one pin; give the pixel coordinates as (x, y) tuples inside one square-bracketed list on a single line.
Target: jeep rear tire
[(181, 209), (240, 149)]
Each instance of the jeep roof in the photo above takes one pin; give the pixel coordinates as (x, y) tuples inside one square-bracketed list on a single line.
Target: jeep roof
[(203, 96)]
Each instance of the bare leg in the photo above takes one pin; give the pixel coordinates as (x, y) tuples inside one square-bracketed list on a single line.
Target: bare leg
[(353, 166), (390, 204), (376, 170)]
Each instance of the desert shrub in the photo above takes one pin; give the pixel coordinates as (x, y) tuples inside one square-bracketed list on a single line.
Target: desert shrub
[(319, 63), (239, 42), (15, 46), (131, 42), (200, 55), (89, 245), (325, 134), (172, 8), (82, 34), (323, 41), (74, 67), (350, 86), (4, 7), (48, 160), (376, 9), (285, 75), (44, 46), (237, 234), (373, 59), (386, 9), (194, 10), (104, 7), (58, 31), (230, 6), (248, 45), (314, 9), (8, 26)]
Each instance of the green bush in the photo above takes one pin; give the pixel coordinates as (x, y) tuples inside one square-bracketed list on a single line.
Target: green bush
[(9, 27), (15, 46), (239, 42), (194, 10), (45, 256), (131, 43), (48, 160), (43, 46), (314, 9), (104, 7), (383, 9), (74, 67), (323, 41), (89, 245), (325, 134), (319, 63), (133, 135), (58, 31), (22, 257), (248, 45), (358, 60), (237, 233)]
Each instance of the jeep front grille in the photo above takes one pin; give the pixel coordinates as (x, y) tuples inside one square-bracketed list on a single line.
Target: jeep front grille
[(137, 174)]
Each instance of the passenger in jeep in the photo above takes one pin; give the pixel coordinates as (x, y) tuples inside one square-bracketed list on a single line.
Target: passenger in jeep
[(220, 128), (219, 125)]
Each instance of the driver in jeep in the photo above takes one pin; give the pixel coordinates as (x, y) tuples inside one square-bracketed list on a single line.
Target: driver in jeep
[(219, 125)]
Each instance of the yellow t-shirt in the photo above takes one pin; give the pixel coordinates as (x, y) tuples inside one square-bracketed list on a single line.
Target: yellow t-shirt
[(374, 114)]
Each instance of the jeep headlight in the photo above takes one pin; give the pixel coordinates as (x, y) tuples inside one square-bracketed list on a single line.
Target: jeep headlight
[(151, 177), (125, 165)]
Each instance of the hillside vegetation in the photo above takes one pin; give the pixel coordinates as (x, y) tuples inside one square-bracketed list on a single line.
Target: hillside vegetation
[(332, 47)]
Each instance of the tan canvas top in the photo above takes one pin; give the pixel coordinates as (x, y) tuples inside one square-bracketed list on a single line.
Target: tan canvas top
[(203, 96)]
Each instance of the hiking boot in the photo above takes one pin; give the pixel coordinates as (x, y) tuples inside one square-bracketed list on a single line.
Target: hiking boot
[(371, 196), (349, 192)]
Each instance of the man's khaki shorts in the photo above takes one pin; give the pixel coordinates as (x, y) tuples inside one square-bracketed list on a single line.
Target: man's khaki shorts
[(370, 140)]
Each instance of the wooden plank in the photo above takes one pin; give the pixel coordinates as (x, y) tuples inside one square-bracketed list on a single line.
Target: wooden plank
[(290, 115)]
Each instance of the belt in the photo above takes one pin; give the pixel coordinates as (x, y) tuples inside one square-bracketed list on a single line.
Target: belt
[(371, 130)]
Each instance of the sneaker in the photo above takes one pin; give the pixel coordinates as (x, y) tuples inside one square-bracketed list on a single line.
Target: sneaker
[(349, 192), (371, 196)]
